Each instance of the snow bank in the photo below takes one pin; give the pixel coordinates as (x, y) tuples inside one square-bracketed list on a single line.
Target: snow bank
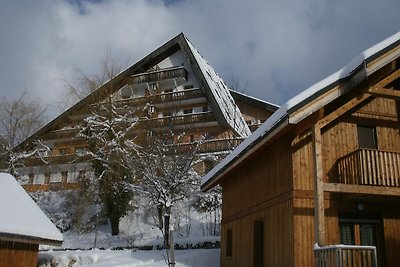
[(108, 258)]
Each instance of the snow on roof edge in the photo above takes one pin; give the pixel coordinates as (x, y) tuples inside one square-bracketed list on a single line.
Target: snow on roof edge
[(288, 106), (21, 216), (255, 98)]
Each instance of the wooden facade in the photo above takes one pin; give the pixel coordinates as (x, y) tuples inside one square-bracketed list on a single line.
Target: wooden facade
[(168, 89), (325, 172)]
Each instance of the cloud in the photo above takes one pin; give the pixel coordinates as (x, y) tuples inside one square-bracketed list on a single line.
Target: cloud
[(273, 48)]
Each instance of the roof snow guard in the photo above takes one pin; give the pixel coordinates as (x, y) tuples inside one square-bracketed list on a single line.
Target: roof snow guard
[(21, 220), (220, 94), (293, 111)]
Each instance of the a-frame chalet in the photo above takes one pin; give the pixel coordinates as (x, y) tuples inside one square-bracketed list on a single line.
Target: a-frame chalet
[(182, 90), (318, 184)]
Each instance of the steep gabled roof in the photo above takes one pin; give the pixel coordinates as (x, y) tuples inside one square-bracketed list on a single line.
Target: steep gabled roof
[(309, 101), (253, 101), (216, 91), (21, 219)]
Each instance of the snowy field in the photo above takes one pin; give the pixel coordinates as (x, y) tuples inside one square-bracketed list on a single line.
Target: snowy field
[(112, 258)]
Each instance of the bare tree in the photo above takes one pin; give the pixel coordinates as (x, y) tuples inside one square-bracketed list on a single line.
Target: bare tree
[(165, 174), (106, 133), (19, 119)]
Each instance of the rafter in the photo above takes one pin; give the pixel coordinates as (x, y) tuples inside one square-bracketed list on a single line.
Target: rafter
[(342, 110), (388, 79), (383, 92)]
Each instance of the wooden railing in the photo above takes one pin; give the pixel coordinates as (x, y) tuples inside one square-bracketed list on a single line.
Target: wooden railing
[(161, 98), (370, 167), (50, 187), (345, 256), (159, 75), (207, 146), (187, 119)]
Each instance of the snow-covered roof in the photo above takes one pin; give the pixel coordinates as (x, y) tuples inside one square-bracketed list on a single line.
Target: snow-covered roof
[(300, 100), (253, 100), (21, 218), (220, 93)]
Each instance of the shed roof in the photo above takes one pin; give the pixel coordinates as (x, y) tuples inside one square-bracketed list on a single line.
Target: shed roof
[(289, 113), (20, 218)]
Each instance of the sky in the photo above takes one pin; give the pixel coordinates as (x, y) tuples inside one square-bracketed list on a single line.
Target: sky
[(270, 49)]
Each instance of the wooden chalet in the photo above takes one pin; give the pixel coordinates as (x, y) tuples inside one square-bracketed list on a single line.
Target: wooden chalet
[(23, 226), (318, 184), (179, 89)]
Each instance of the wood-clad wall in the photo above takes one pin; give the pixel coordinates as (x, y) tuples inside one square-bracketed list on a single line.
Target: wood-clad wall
[(278, 237), (14, 254), (267, 175), (265, 195)]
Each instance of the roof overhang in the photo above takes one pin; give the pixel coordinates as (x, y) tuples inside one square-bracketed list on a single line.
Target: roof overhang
[(306, 103)]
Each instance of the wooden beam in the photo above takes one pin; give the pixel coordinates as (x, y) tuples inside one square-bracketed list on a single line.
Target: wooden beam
[(319, 210), (383, 92), (342, 110), (388, 79), (362, 189)]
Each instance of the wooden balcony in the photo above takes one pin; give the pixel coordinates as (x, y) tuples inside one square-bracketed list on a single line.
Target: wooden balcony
[(55, 160), (370, 167), (159, 75), (185, 120), (345, 255), (50, 187), (161, 98), (209, 146)]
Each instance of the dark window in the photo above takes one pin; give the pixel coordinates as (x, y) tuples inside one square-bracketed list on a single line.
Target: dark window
[(47, 178), (229, 243), (31, 177), (191, 138), (64, 177), (205, 109), (189, 86), (367, 137), (187, 111), (166, 91), (258, 243)]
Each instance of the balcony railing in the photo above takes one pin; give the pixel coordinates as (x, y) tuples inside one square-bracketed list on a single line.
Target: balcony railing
[(159, 75), (208, 146), (187, 119), (370, 167), (162, 98), (345, 256)]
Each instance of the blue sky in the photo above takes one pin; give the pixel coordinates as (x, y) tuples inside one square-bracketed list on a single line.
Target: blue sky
[(274, 48)]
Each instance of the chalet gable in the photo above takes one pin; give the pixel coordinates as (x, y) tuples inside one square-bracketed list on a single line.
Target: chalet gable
[(376, 69), (179, 61)]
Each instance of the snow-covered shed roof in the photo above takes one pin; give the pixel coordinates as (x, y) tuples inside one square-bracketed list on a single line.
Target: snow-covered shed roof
[(21, 219), (254, 101), (304, 104)]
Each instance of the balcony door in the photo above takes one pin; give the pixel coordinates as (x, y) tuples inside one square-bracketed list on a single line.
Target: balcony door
[(362, 232)]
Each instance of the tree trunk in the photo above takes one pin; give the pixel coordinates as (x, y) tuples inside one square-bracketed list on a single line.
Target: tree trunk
[(114, 226)]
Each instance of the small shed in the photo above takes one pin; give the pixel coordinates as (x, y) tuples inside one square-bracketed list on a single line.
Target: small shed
[(23, 226)]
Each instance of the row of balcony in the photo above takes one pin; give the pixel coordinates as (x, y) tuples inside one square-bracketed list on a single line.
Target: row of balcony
[(208, 146)]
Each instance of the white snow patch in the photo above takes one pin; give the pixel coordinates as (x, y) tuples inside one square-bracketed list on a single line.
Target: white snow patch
[(20, 215)]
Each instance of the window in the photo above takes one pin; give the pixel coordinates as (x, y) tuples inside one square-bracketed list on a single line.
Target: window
[(258, 243), (31, 178), (47, 178), (189, 86), (205, 109), (228, 243), (188, 111), (64, 177), (367, 137)]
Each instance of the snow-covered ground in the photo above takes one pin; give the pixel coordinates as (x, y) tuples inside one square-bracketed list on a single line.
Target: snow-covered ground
[(126, 258), (95, 246)]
